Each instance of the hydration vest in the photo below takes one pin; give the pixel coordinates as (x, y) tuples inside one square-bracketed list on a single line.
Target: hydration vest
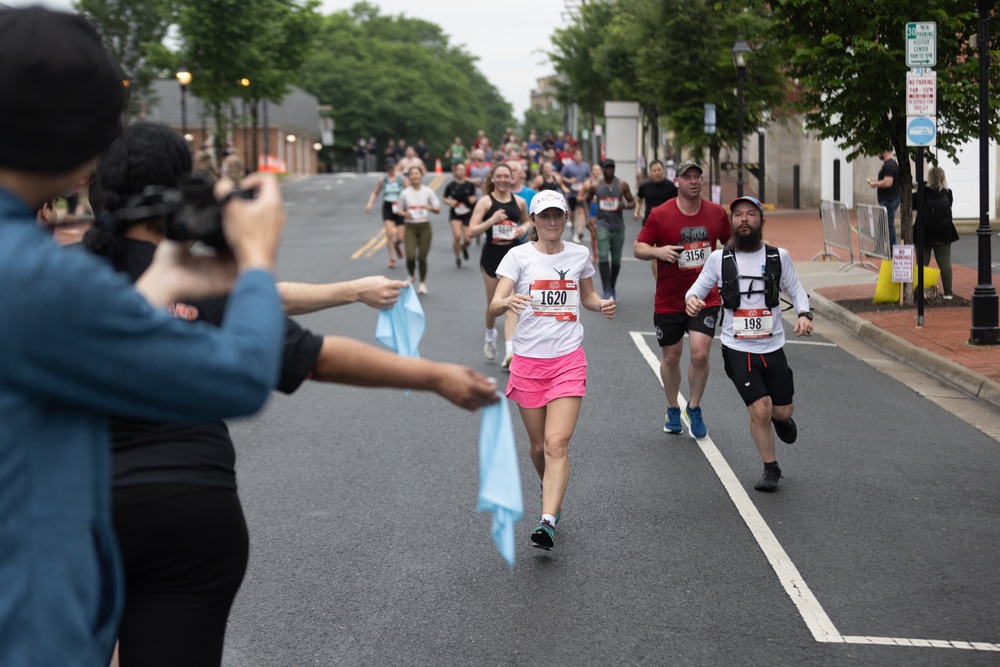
[(731, 295)]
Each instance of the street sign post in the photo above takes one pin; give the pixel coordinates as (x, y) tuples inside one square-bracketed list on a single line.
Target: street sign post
[(921, 92), (921, 131), (921, 44)]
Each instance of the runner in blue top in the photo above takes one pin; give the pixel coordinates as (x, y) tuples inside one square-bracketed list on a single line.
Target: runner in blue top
[(390, 186)]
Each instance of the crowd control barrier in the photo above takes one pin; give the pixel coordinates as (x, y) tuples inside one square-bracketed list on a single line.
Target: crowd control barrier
[(873, 234), (836, 232)]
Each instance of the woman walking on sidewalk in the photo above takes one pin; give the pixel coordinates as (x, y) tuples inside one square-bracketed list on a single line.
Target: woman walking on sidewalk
[(545, 282)]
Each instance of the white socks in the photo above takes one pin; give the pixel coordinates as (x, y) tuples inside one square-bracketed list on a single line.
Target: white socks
[(548, 517), (491, 335)]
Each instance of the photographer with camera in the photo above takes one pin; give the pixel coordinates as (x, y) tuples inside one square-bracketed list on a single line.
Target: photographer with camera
[(80, 343), (177, 515)]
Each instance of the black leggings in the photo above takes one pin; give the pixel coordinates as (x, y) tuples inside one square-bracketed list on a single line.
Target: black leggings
[(185, 551)]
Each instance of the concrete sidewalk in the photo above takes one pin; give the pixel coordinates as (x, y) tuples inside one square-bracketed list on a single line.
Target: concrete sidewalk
[(940, 348)]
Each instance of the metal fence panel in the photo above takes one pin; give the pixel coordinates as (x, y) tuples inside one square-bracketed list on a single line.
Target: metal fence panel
[(836, 231), (873, 233)]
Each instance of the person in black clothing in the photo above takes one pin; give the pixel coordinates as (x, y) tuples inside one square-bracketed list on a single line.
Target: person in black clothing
[(888, 192), (460, 195), (657, 190), (939, 226), (178, 518)]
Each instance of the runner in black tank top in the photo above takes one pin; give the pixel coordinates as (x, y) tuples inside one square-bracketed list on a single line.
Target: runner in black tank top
[(505, 223)]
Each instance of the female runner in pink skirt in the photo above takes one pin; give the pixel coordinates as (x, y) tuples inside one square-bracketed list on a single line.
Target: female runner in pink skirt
[(546, 282)]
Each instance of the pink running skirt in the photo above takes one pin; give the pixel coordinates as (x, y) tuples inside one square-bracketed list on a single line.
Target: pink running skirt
[(534, 383)]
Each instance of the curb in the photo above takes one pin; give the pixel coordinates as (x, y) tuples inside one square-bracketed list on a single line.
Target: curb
[(967, 381)]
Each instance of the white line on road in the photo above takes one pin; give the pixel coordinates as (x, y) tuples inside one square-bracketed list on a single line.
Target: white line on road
[(816, 619), (817, 343)]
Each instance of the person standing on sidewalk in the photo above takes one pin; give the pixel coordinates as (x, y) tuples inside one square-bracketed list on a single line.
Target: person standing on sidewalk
[(609, 193), (752, 276), (939, 226), (416, 203), (887, 186), (544, 283), (681, 234)]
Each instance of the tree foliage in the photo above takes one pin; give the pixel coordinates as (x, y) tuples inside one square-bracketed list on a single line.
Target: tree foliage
[(672, 57), (398, 77), (133, 31), (850, 63)]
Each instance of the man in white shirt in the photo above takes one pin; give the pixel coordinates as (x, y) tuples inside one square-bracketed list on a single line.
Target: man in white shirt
[(751, 276)]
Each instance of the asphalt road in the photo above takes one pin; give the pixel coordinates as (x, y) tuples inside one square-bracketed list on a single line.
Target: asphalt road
[(366, 548)]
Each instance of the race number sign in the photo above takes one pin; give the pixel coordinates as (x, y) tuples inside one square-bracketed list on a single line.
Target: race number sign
[(694, 255), (753, 323), (556, 298), (504, 231), (608, 204)]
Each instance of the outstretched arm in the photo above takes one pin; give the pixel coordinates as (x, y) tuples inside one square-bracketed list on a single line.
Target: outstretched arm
[(375, 291), (347, 361)]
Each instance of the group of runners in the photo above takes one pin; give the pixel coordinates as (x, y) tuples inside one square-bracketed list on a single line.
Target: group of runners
[(694, 246)]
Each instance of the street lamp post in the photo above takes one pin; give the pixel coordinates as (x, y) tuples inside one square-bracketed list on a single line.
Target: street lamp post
[(740, 51), (984, 297), (183, 78)]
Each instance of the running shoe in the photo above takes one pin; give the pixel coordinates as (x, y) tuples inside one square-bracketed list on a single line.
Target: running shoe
[(392, 263), (606, 294), (544, 536), (769, 480), (672, 422), (458, 262), (490, 350), (696, 426), (422, 289), (948, 296), (465, 253), (786, 431), (579, 238)]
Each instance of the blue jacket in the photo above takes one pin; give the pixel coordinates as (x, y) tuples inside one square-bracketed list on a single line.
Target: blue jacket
[(78, 343)]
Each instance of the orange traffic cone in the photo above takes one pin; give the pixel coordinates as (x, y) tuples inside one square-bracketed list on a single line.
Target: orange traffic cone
[(437, 166)]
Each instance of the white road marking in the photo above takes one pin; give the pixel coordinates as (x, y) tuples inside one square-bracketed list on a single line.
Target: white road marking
[(817, 343), (815, 618)]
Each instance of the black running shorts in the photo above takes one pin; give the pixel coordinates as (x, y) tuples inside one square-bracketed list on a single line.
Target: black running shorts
[(387, 214), (758, 375), (670, 329)]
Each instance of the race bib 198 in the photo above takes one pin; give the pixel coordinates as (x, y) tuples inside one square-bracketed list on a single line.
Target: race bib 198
[(556, 298), (753, 323), (694, 255)]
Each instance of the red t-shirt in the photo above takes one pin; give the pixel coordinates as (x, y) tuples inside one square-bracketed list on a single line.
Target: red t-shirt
[(699, 234)]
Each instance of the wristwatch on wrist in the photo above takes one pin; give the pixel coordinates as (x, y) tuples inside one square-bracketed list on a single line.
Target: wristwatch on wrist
[(806, 314)]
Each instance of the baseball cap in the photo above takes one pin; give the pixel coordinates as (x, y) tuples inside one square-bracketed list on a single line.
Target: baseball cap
[(63, 95), (608, 163), (688, 164), (548, 199), (752, 200)]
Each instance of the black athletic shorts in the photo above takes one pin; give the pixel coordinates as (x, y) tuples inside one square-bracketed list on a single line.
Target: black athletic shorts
[(466, 219), (670, 329), (758, 375), (571, 201), (387, 214), (492, 254)]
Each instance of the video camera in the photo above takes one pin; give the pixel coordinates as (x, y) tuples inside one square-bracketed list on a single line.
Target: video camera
[(191, 211)]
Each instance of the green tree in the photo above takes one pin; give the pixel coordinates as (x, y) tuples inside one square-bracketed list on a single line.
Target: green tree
[(542, 121), (850, 64), (398, 77), (133, 32), (225, 41)]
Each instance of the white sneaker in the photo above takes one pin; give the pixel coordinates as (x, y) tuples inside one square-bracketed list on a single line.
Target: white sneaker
[(422, 289), (490, 350)]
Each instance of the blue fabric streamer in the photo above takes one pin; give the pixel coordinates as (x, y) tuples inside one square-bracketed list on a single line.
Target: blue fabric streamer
[(401, 327), (499, 476)]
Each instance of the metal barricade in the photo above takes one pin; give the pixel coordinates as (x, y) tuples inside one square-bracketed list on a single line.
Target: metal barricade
[(836, 231), (873, 233)]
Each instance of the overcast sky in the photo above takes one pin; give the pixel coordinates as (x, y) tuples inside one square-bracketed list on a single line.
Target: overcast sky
[(509, 37)]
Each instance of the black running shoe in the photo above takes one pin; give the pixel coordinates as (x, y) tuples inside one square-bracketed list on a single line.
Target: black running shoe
[(544, 536), (465, 253), (769, 480), (786, 431)]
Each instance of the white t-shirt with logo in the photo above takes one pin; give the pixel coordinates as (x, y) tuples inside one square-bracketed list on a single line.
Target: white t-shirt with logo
[(549, 327), (419, 203)]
